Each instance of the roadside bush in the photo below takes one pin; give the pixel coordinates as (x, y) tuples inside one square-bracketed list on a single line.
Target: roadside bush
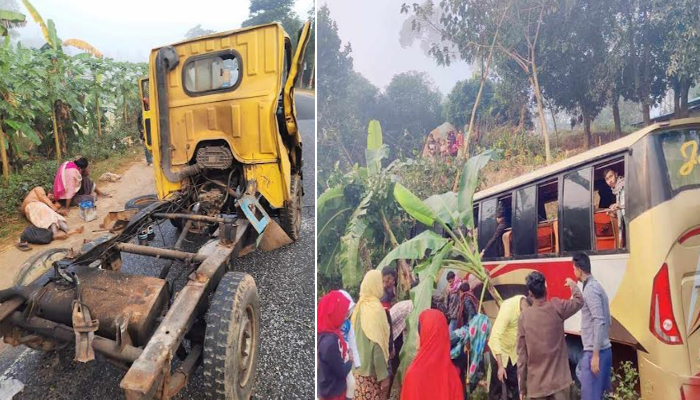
[(625, 381)]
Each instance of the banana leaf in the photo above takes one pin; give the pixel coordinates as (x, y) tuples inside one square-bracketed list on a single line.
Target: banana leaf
[(348, 258), (414, 206), (39, 20), (467, 186), (83, 45), (445, 207), (415, 248), (421, 296), (376, 150)]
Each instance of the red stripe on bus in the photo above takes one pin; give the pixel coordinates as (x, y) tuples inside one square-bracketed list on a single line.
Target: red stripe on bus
[(555, 272), (689, 234)]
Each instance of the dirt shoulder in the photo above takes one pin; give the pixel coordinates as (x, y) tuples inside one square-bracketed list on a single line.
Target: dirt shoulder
[(137, 179)]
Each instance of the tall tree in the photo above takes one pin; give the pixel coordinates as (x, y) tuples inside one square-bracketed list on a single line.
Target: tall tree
[(682, 44), (197, 31), (573, 54), (412, 108), (644, 74), (282, 11), (475, 27)]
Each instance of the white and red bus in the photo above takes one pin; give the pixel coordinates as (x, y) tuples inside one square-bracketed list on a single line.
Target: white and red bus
[(650, 267)]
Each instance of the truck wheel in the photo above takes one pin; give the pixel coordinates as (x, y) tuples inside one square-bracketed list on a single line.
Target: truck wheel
[(38, 265), (232, 339), (141, 202), (290, 215)]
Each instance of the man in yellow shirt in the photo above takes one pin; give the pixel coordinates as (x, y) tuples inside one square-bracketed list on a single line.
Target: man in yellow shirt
[(503, 345)]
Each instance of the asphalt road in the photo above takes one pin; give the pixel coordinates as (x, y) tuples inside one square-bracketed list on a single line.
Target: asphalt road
[(285, 281)]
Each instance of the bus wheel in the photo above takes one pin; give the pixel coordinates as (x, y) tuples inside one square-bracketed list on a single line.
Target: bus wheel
[(232, 339), (290, 216)]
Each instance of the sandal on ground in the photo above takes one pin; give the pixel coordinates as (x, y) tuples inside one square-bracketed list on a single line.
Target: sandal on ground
[(23, 246)]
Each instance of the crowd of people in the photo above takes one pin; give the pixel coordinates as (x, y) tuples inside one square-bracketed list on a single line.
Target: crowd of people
[(47, 211), (449, 146), (359, 343)]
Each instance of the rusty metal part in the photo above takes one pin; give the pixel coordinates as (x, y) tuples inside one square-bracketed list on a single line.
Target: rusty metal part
[(181, 376), (63, 333), (162, 253), (147, 374), (116, 221), (227, 231), (109, 295), (84, 327), (122, 324), (190, 217), (183, 235)]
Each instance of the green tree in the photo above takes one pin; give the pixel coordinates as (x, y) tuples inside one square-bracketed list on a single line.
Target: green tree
[(644, 73), (411, 108), (573, 54), (282, 11), (682, 44), (458, 105), (197, 31), (477, 28)]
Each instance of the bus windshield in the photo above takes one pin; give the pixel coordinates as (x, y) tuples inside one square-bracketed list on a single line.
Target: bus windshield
[(680, 153)]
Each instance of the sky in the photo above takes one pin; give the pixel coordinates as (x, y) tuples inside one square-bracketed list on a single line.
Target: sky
[(372, 27), (127, 30)]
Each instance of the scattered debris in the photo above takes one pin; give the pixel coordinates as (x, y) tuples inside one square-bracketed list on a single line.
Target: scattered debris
[(9, 388), (110, 177)]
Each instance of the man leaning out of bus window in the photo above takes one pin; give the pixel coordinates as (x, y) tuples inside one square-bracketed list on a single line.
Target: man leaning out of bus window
[(617, 184), (595, 366)]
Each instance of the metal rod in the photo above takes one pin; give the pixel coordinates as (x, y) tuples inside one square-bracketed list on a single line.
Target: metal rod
[(162, 253), (179, 378), (189, 217), (183, 235), (65, 333)]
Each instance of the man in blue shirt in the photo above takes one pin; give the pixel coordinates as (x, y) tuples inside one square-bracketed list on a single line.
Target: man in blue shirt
[(595, 366)]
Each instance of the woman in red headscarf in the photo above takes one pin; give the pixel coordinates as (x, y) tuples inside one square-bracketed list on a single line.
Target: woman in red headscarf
[(432, 376), (334, 361)]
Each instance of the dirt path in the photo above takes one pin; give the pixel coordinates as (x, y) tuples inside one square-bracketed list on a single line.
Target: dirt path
[(137, 180)]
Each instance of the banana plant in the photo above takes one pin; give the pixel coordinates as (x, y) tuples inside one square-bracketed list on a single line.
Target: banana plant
[(56, 74), (356, 213), (453, 212), (8, 20)]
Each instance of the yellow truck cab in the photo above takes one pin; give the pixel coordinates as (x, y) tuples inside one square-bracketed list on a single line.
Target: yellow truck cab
[(220, 120)]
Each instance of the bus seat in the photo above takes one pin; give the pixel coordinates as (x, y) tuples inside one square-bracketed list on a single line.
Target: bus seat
[(605, 231), (555, 228), (545, 238), (506, 242)]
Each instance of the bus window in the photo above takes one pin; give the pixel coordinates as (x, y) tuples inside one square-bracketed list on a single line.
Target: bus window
[(524, 221), (494, 227), (547, 226), (608, 218), (576, 211)]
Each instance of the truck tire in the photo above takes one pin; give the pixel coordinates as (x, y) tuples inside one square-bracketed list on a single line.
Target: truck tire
[(232, 339), (290, 215), (38, 264), (141, 202)]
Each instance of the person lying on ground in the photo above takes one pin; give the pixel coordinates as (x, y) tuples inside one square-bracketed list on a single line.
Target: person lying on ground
[(543, 360), (40, 209)]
